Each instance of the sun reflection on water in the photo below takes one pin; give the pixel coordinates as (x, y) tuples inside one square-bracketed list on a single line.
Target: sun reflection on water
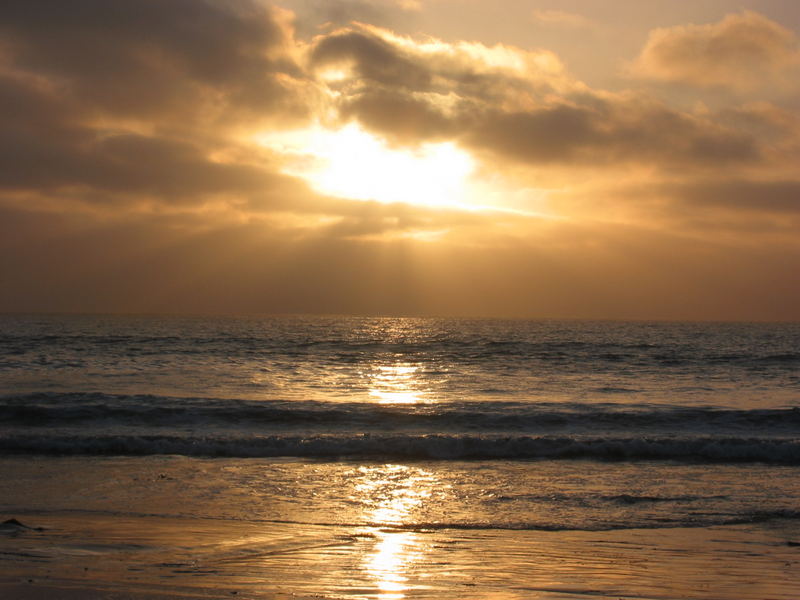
[(393, 554), (397, 384), (392, 493)]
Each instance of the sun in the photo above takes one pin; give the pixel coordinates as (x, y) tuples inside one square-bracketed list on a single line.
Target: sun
[(352, 163)]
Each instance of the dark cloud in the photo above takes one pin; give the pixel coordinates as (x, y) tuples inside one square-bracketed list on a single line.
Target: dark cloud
[(152, 57), (372, 58), (130, 100), (468, 70), (44, 154), (209, 40), (769, 197), (602, 133), (316, 15), (777, 130), (404, 118), (735, 209), (548, 135), (516, 111)]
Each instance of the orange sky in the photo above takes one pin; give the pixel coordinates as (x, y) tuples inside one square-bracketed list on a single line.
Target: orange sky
[(402, 157)]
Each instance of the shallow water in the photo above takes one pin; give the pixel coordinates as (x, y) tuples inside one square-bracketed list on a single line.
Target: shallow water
[(370, 530)]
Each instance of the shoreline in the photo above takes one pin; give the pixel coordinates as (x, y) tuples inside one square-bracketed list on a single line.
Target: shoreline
[(103, 557)]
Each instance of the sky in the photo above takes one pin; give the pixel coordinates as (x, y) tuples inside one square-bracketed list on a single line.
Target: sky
[(634, 159)]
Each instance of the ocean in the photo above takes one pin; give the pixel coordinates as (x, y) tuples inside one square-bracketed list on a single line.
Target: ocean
[(350, 457)]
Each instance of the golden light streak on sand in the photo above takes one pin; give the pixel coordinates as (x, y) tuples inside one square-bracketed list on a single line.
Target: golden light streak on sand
[(394, 492)]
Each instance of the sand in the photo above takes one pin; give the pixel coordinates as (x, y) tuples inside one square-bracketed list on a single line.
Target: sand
[(107, 556)]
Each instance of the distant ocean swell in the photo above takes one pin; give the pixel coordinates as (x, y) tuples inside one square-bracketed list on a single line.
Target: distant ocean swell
[(414, 446), (444, 346)]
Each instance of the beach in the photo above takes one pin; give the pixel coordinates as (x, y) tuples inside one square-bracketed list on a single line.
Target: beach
[(176, 527)]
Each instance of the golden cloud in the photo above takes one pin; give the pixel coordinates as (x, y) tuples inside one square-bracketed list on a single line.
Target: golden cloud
[(129, 146), (742, 51)]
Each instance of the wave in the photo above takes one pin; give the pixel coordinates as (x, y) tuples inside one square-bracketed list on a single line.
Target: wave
[(620, 499), (460, 342), (46, 410), (410, 447), (368, 527), (693, 521)]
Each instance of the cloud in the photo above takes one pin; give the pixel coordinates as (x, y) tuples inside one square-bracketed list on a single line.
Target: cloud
[(372, 58), (154, 125), (314, 16), (733, 210), (197, 59), (128, 104), (560, 18), (131, 176), (158, 118), (612, 131), (361, 55), (50, 150), (779, 198), (65, 138), (514, 104), (741, 52)]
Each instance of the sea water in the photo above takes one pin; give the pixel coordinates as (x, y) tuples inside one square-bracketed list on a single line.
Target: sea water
[(459, 445)]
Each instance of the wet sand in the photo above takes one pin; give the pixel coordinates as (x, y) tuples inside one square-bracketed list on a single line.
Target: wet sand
[(96, 556), (169, 527)]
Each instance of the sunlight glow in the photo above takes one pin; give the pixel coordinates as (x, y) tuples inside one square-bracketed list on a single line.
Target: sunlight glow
[(352, 163), (396, 384), (388, 563), (393, 493)]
